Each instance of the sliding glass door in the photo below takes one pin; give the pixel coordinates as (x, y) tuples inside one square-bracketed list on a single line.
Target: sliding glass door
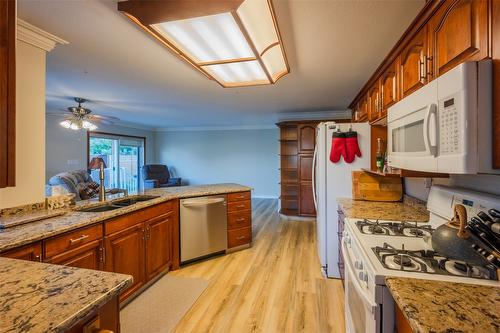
[(123, 156)]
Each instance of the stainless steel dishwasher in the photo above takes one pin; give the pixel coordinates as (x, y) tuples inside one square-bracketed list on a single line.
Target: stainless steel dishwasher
[(203, 227)]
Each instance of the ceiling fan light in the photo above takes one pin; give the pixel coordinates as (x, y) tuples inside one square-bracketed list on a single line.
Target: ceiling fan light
[(88, 125), (65, 123)]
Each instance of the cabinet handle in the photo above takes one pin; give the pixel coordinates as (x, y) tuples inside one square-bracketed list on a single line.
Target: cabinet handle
[(421, 70), (240, 237), (241, 219), (79, 239), (38, 258), (240, 206)]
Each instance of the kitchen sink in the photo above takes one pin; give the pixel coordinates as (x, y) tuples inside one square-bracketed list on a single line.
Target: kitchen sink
[(133, 200), (97, 209)]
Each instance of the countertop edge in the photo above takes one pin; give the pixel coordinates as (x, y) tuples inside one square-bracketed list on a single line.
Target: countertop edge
[(100, 217)]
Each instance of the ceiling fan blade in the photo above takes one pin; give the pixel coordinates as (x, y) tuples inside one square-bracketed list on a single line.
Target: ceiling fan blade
[(101, 117)]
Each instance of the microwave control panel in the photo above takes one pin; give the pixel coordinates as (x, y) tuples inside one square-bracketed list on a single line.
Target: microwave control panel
[(450, 136)]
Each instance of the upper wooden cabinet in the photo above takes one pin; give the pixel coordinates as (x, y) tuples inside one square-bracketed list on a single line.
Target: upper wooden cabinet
[(7, 92), (458, 32), (414, 58), (374, 102), (307, 138), (389, 88)]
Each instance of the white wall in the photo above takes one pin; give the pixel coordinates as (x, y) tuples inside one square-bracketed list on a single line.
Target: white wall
[(30, 128), (67, 149), (482, 183), (248, 157)]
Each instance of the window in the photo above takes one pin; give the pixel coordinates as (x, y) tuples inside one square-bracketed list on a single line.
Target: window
[(123, 156)]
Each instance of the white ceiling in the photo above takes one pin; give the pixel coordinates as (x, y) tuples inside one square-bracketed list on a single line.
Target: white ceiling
[(332, 46)]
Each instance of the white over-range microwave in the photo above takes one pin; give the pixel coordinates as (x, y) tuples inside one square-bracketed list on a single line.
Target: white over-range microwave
[(445, 126)]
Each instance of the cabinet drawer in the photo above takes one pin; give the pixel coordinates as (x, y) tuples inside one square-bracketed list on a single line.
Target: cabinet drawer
[(239, 219), (70, 240), (238, 206), (239, 237), (239, 196)]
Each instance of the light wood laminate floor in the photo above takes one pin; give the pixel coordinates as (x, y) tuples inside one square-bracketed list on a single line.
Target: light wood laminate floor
[(275, 286)]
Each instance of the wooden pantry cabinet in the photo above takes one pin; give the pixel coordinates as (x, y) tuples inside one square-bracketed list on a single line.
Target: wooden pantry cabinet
[(297, 142)]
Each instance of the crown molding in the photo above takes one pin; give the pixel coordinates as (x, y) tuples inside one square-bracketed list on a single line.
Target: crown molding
[(315, 115), (215, 128), (32, 35)]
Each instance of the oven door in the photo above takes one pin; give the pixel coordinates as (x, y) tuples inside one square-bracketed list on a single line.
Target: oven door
[(362, 314)]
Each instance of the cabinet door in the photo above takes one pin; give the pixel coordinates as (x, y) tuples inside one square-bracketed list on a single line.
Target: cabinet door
[(307, 138), (305, 164), (88, 256), (389, 87), (158, 244), (413, 59), (374, 102), (306, 202), (31, 252), (125, 254), (7, 92), (458, 32), (363, 109)]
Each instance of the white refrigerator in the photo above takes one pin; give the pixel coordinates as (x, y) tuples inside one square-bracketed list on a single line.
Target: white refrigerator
[(332, 181)]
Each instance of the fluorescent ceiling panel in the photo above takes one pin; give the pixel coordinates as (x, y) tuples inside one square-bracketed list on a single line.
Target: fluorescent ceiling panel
[(274, 62), (207, 38), (238, 72), (258, 21)]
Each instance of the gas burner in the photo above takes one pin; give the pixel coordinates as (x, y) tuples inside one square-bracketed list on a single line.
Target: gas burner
[(394, 228), (426, 261)]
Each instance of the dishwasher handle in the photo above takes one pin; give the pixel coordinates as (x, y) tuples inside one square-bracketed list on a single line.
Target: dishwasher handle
[(202, 202)]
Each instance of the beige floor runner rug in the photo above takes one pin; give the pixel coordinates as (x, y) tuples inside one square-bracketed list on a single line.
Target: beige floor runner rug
[(161, 306)]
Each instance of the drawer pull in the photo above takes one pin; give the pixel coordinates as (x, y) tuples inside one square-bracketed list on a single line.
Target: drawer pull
[(240, 206), (241, 219), (240, 237), (79, 239)]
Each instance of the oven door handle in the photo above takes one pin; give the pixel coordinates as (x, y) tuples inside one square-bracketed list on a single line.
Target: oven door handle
[(355, 282)]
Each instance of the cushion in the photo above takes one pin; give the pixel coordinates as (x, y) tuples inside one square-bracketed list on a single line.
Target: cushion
[(87, 190)]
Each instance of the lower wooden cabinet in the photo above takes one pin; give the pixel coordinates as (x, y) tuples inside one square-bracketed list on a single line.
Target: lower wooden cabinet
[(158, 250), (88, 256), (239, 219), (125, 253), (31, 252)]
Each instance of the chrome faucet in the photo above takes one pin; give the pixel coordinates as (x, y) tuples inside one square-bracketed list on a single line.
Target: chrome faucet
[(102, 188)]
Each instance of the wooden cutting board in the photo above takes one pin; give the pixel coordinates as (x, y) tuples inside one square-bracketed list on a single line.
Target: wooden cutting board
[(372, 187)]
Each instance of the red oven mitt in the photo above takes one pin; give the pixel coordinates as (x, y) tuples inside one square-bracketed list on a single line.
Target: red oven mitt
[(338, 147), (352, 146)]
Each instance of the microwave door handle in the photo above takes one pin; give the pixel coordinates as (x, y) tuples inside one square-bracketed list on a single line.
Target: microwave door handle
[(431, 110)]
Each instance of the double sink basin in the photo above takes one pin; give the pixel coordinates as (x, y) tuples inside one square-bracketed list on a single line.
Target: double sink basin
[(117, 204)]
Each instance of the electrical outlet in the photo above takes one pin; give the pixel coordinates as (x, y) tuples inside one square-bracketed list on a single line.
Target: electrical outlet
[(73, 162)]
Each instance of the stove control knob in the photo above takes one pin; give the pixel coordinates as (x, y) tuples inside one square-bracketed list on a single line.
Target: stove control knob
[(361, 276)]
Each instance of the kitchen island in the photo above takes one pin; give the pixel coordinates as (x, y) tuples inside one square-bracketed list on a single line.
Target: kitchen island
[(439, 306), (37, 297)]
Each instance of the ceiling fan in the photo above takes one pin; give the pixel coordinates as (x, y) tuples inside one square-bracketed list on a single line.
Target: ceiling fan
[(81, 118)]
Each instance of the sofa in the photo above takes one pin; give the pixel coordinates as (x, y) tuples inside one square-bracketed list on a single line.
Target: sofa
[(71, 181), (157, 176)]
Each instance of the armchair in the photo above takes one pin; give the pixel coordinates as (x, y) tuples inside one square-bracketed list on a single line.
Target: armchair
[(157, 175)]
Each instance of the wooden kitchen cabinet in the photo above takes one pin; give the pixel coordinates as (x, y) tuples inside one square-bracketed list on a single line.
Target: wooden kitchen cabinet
[(307, 138), (374, 102), (239, 220), (30, 252), (414, 58), (458, 32), (125, 253), (389, 88), (7, 92), (158, 247), (89, 256)]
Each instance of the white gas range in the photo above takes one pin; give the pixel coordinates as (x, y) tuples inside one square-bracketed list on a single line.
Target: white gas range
[(374, 250)]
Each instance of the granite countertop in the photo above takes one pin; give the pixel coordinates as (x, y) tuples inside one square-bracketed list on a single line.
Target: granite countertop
[(438, 306), (410, 209), (36, 297), (34, 231)]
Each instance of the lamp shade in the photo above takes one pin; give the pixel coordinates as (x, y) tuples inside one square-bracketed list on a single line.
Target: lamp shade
[(95, 163)]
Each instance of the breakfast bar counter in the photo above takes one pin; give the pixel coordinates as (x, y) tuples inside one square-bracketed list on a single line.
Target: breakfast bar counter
[(37, 297), (439, 306)]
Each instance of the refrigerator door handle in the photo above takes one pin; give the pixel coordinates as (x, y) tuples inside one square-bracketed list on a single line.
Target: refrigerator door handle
[(314, 172)]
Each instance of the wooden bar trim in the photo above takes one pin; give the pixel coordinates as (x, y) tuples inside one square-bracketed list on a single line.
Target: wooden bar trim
[(268, 48), (227, 61), (280, 40)]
